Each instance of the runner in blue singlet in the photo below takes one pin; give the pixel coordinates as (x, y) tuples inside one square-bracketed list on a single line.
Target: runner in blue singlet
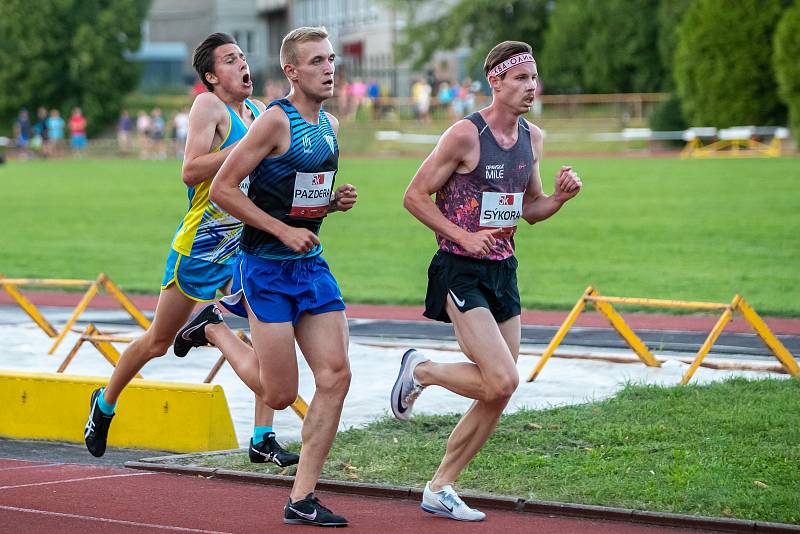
[(203, 252), (283, 284)]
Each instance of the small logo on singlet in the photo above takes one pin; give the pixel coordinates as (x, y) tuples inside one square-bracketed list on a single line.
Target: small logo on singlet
[(329, 140), (307, 145), (494, 172)]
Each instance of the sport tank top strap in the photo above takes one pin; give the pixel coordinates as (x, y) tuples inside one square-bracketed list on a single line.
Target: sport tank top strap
[(485, 133)]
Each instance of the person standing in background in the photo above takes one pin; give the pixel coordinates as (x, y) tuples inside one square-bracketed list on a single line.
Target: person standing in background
[(77, 132)]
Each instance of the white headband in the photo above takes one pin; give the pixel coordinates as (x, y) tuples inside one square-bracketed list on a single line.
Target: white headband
[(513, 61)]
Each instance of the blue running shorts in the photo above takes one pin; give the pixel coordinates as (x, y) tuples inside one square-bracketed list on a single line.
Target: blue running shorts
[(197, 279), (280, 291)]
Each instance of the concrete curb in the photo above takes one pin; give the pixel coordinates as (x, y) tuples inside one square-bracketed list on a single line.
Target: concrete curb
[(584, 511)]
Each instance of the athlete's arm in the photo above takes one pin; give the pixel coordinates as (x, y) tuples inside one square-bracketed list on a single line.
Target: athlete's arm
[(450, 153), (536, 206), (199, 163), (345, 196), (262, 139)]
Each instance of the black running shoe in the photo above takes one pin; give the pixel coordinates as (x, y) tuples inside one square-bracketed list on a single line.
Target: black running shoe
[(194, 333), (269, 450), (95, 433), (309, 511)]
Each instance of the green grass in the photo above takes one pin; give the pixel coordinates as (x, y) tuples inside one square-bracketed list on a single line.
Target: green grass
[(661, 228), (727, 449)]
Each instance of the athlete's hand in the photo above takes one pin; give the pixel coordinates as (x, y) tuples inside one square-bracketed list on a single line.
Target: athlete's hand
[(479, 243), (298, 239), (568, 184), (344, 198)]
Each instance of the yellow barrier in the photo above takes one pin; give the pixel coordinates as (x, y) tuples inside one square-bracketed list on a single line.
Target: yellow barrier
[(603, 304), (103, 343), (93, 287), (153, 415)]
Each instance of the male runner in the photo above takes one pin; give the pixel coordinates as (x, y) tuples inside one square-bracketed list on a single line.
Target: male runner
[(204, 249), (485, 174), (291, 155)]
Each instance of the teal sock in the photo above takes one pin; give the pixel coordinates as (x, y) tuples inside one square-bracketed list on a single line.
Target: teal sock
[(259, 432), (105, 407)]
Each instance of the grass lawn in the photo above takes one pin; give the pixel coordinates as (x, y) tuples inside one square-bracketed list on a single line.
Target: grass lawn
[(729, 449), (661, 228)]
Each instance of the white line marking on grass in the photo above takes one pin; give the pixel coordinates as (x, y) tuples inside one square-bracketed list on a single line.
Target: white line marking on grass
[(113, 521), (73, 480)]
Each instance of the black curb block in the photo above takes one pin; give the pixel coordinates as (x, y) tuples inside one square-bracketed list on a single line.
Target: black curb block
[(585, 511)]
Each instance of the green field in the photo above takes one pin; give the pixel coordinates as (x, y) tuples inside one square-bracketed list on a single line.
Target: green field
[(661, 228), (726, 449)]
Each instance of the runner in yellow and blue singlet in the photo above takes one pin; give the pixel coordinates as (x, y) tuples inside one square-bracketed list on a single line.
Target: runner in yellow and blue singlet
[(206, 244)]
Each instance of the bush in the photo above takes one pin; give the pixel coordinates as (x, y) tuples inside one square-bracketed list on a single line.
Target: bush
[(787, 64), (668, 117), (723, 65)]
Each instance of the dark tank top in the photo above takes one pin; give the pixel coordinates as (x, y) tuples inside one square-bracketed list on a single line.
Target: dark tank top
[(294, 187), (489, 196)]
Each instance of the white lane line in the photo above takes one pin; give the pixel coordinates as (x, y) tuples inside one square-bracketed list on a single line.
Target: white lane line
[(74, 480), (31, 466), (113, 521)]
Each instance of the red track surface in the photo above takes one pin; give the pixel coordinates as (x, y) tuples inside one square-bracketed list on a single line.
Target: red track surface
[(637, 321), (65, 498)]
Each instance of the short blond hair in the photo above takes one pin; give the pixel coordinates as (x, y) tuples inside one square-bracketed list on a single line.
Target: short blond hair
[(299, 35)]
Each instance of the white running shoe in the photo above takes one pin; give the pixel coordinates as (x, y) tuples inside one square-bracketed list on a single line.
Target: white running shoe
[(447, 503), (406, 388)]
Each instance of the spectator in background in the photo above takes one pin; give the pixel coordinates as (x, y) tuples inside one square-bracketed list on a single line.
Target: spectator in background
[(445, 98), (157, 131), (124, 132), (55, 132), (77, 132), (40, 133), (197, 89), (181, 124), (421, 95), (374, 98), (143, 134), (358, 93), (22, 133), (463, 100)]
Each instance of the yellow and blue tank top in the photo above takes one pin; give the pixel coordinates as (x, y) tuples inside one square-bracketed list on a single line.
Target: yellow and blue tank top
[(207, 232)]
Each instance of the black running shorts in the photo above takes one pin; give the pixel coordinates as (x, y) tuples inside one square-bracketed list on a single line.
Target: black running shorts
[(472, 283)]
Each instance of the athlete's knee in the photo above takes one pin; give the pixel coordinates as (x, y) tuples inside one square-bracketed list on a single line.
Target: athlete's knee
[(334, 380), (155, 345), (502, 387), (279, 400)]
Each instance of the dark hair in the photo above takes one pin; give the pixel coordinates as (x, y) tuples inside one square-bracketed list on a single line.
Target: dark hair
[(502, 52), (203, 58)]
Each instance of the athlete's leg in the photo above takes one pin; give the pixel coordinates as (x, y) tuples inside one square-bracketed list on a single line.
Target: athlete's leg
[(494, 349), (239, 354), (277, 361), (172, 311), (323, 339), (493, 376)]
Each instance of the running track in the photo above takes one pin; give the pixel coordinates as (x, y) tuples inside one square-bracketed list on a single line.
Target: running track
[(39, 497)]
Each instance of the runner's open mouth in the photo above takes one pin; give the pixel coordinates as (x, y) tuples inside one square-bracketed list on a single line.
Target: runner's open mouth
[(246, 78)]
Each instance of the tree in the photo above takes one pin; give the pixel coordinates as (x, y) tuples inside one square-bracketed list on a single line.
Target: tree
[(787, 64), (478, 24), (66, 53), (723, 65), (603, 47), (670, 14)]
